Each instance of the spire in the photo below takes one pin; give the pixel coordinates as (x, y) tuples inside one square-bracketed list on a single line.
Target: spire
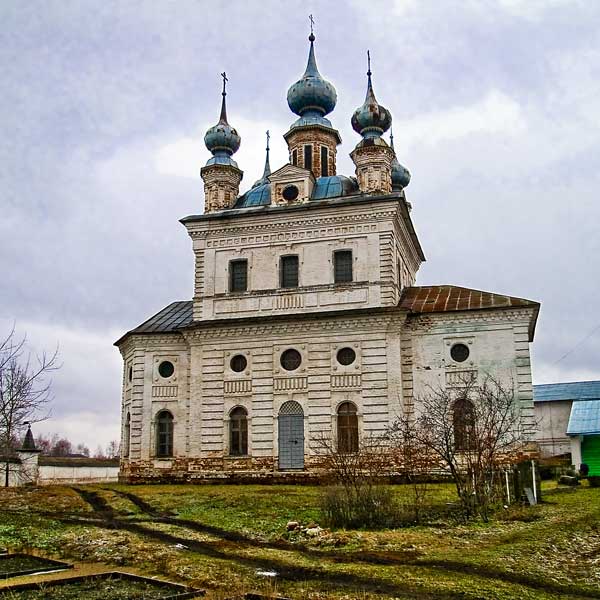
[(392, 139), (29, 442), (311, 66), (371, 119), (223, 117), (312, 96), (267, 170), (222, 140)]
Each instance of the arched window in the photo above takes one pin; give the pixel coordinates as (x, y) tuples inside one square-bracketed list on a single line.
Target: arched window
[(126, 435), (347, 428), (238, 432), (463, 421), (164, 434)]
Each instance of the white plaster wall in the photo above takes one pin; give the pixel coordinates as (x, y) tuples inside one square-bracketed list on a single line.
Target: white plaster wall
[(377, 233), (498, 344), (50, 475), (552, 419)]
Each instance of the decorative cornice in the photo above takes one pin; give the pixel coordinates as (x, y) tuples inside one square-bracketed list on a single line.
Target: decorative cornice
[(267, 227)]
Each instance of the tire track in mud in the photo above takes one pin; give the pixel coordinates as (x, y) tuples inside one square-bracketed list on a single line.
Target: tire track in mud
[(109, 520)]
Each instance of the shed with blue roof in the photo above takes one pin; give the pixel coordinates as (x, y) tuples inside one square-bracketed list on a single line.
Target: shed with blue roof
[(569, 421)]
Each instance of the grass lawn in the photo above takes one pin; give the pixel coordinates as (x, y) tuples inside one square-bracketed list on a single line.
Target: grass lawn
[(221, 538)]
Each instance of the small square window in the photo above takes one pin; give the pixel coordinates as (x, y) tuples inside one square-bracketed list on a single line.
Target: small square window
[(238, 275), (289, 271), (342, 265)]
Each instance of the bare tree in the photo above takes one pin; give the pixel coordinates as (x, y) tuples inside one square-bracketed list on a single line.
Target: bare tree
[(113, 450), (472, 431), (25, 390)]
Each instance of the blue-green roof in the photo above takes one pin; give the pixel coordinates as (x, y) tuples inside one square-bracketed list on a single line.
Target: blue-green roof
[(576, 390), (325, 187), (584, 418)]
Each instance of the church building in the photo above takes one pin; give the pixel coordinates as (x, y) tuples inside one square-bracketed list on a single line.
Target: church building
[(305, 319)]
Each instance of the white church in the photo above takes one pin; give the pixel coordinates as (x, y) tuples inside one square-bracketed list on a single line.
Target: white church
[(306, 320)]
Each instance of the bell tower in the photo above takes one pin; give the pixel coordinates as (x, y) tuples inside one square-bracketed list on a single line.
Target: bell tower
[(221, 175), (372, 155), (312, 141)]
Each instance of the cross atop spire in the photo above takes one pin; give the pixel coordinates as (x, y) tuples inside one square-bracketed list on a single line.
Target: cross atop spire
[(369, 63), (223, 117), (312, 34)]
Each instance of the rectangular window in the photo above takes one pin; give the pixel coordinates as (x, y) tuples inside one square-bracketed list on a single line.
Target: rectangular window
[(238, 275), (294, 157), (289, 271), (342, 266), (324, 161), (308, 157)]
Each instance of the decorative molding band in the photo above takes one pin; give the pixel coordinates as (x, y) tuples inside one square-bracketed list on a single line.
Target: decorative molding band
[(287, 301), (164, 391), (344, 382), (284, 384), (271, 231), (237, 386), (460, 379)]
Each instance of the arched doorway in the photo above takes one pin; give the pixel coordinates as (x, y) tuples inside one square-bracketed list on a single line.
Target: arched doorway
[(291, 436)]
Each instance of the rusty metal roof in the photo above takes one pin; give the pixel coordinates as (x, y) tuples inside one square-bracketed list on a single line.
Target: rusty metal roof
[(452, 298), (446, 298)]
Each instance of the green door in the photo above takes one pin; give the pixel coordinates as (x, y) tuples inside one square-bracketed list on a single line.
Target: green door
[(590, 453)]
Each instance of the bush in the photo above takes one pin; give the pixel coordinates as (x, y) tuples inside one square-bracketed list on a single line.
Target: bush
[(368, 506), (594, 480)]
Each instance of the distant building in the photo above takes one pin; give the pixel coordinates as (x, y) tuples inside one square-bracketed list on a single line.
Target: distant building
[(568, 416), (305, 319)]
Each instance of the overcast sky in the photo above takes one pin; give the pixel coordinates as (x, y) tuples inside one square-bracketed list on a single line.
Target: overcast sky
[(104, 105)]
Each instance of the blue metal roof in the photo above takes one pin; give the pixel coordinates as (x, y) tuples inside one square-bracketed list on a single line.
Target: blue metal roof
[(257, 196), (584, 418), (334, 186), (325, 187), (576, 390)]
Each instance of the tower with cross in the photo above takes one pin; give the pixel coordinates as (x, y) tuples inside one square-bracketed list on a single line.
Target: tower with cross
[(221, 174)]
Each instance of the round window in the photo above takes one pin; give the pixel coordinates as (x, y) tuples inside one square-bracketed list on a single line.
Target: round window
[(166, 369), (459, 352), (238, 363), (346, 356), (290, 192), (291, 360)]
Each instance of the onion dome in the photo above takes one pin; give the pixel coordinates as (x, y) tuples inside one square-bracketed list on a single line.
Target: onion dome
[(222, 139), (267, 171), (371, 119), (400, 174), (312, 97)]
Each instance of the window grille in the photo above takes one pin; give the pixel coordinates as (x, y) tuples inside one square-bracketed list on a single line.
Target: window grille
[(289, 271), (238, 275), (238, 432), (347, 428), (342, 266), (164, 434)]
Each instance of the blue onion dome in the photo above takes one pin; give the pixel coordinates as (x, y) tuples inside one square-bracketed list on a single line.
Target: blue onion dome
[(222, 139), (312, 97), (371, 119), (400, 174)]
